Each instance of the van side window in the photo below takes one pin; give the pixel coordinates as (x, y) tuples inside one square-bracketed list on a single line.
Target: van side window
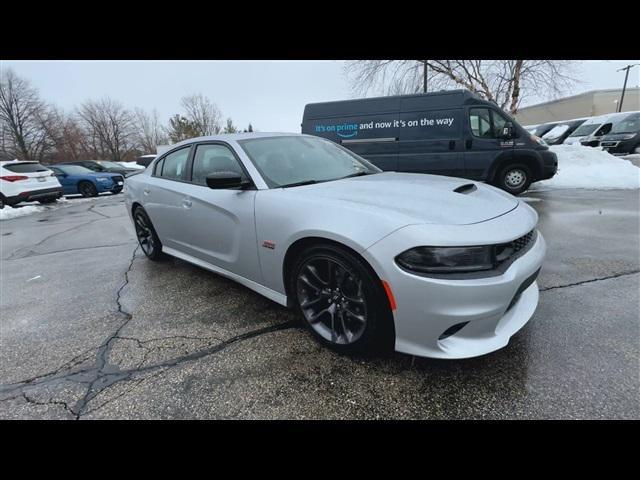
[(486, 123), (480, 119)]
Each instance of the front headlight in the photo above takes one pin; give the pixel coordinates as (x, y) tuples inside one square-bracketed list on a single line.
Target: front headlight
[(103, 179), (448, 259), (628, 136)]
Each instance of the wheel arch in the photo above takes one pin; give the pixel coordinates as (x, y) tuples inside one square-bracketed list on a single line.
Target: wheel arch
[(300, 244), (528, 159)]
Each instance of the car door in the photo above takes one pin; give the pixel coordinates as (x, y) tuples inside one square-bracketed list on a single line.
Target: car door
[(221, 221), (68, 185), (162, 198), (484, 143)]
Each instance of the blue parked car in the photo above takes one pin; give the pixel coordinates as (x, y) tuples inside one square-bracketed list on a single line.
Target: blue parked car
[(76, 179)]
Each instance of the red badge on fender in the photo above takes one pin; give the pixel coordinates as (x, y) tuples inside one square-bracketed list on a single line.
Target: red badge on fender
[(269, 244)]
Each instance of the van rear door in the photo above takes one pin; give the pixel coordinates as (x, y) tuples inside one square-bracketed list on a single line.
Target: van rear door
[(484, 144)]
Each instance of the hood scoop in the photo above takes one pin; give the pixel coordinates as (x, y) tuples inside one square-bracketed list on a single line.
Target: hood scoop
[(466, 188)]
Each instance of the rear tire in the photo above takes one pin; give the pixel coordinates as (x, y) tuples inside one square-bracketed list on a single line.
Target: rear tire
[(341, 301), (87, 189), (146, 234), (514, 178)]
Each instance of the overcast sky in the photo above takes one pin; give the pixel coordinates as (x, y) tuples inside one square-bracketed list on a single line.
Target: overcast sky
[(269, 94)]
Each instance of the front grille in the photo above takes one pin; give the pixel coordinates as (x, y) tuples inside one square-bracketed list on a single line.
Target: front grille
[(512, 250)]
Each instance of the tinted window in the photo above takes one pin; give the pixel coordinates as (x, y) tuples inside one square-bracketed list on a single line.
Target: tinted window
[(175, 165), (25, 167), (213, 158), (631, 124)]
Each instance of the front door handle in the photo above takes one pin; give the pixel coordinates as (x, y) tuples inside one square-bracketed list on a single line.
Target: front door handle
[(452, 144), (468, 144), (145, 191), (186, 203)]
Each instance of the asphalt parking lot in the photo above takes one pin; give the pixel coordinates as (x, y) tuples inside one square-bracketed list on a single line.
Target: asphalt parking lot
[(90, 329)]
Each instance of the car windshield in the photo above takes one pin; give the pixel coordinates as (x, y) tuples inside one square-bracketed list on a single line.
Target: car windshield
[(628, 125), (74, 169), (109, 164), (584, 130), (556, 131), (287, 161)]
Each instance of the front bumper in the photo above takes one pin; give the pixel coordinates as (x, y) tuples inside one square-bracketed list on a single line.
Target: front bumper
[(492, 309), (618, 147)]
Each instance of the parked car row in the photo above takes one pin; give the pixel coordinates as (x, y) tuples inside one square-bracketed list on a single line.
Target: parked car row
[(27, 181), (617, 133)]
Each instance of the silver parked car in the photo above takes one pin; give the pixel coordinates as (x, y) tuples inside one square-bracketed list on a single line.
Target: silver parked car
[(433, 266)]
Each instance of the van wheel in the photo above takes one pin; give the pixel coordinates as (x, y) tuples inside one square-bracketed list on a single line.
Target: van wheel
[(515, 178)]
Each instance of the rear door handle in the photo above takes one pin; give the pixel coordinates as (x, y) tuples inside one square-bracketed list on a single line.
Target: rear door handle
[(186, 203), (468, 144)]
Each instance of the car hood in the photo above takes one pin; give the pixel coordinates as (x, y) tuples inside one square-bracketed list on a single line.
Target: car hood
[(413, 198)]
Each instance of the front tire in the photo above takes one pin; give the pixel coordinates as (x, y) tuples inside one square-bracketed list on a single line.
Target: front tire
[(146, 234), (341, 300), (514, 178), (87, 189)]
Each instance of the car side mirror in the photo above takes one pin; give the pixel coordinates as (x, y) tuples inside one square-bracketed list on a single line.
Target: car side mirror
[(508, 131), (220, 180)]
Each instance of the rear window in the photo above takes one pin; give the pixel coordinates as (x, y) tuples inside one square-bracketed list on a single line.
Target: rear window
[(27, 167)]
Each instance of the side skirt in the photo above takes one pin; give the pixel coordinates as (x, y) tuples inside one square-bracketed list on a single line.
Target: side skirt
[(256, 287)]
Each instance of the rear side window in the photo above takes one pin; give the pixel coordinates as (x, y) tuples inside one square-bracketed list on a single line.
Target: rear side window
[(25, 167), (174, 165), (211, 159)]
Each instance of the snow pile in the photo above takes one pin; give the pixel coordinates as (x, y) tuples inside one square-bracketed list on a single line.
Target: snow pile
[(586, 167), (131, 165), (8, 212)]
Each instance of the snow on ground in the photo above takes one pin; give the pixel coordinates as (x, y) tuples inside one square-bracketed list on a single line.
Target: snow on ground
[(8, 212), (586, 167), (131, 165)]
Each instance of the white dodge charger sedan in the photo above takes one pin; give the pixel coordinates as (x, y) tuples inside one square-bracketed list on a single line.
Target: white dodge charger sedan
[(429, 265)]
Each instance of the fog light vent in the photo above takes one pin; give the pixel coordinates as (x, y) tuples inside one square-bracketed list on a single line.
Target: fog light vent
[(452, 330)]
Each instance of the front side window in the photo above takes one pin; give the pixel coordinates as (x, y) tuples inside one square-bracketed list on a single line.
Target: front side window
[(285, 160), (486, 123), (174, 165), (75, 170), (213, 159)]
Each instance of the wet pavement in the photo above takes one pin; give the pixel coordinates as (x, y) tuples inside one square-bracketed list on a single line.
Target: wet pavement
[(91, 329)]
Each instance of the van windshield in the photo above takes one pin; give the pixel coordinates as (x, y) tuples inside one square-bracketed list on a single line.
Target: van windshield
[(584, 130), (556, 132), (628, 125)]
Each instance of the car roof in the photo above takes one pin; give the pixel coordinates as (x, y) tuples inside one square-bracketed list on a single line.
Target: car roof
[(234, 137)]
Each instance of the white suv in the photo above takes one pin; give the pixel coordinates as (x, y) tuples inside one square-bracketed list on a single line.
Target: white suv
[(26, 182)]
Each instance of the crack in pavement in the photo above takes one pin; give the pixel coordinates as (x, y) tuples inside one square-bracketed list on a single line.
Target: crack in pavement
[(103, 375), (609, 277), (39, 254)]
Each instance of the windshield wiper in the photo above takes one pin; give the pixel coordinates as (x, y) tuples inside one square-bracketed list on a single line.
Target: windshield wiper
[(357, 174), (299, 184)]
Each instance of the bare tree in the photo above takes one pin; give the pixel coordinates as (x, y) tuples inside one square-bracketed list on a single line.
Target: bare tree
[(108, 128), (149, 131), (21, 115), (506, 82), (202, 113), (66, 135)]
